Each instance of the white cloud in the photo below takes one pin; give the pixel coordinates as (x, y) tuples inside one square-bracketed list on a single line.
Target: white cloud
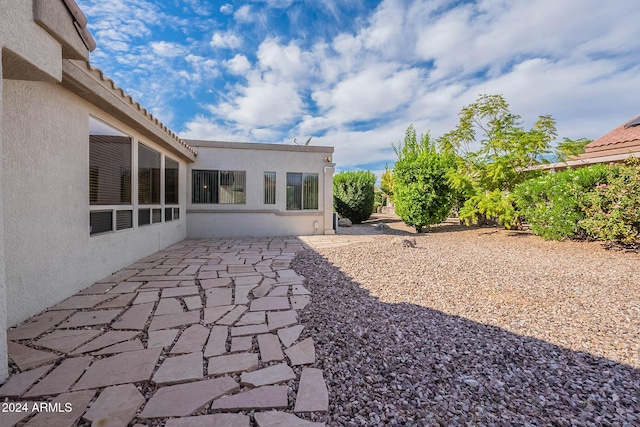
[(239, 64), (243, 14), (163, 48), (226, 9), (226, 40)]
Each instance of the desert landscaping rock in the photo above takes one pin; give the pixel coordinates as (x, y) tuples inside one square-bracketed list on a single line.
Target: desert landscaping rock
[(312, 392), (232, 363), (282, 419), (115, 406), (303, 353), (270, 397), (215, 420), (185, 399), (268, 376), (129, 367)]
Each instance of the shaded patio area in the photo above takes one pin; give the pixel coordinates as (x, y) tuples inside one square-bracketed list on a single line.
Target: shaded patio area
[(204, 332)]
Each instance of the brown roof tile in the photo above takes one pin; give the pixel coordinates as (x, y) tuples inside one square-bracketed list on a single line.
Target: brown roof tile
[(619, 135)]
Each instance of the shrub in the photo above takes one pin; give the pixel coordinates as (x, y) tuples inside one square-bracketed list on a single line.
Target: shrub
[(353, 195), (491, 205), (421, 192), (551, 203), (612, 207)]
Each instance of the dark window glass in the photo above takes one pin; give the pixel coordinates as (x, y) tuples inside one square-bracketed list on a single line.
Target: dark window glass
[(168, 214), (156, 215), (100, 221), (302, 191), (170, 181), (124, 220), (144, 217), (269, 188), (148, 176), (204, 186), (294, 191), (176, 213), (210, 186)]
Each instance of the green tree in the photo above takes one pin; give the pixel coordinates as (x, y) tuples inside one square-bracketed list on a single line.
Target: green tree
[(570, 147), (422, 193), (353, 195), (386, 182), (504, 151)]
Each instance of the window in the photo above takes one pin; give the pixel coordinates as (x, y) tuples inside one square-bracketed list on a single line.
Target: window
[(148, 176), (170, 181), (302, 191), (109, 178), (269, 188), (224, 187)]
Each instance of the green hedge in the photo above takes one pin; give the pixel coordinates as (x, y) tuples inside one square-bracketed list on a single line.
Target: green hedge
[(353, 195)]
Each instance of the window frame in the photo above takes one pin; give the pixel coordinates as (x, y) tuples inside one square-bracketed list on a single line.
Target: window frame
[(302, 198), (218, 187)]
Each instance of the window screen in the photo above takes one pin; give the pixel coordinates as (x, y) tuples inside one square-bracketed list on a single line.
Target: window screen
[(210, 186), (302, 191), (170, 181), (269, 188), (109, 165)]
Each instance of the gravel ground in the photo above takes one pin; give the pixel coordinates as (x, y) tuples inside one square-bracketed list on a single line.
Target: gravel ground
[(475, 327)]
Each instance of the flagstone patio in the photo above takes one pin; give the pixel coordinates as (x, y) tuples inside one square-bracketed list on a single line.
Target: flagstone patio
[(203, 333)]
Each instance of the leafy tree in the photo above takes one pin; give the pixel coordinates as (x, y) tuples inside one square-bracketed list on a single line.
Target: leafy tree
[(505, 150), (570, 147), (422, 193), (353, 195), (386, 182)]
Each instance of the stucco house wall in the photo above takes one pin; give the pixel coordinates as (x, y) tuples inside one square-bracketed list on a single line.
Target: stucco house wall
[(49, 252), (254, 217)]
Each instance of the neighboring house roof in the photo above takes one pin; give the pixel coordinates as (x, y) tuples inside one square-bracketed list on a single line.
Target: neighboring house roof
[(621, 143)]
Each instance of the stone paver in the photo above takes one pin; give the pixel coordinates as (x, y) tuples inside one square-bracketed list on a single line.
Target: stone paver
[(109, 338), (269, 303), (280, 319), (180, 369), (185, 399), (134, 318), (168, 306), (81, 301), (282, 419), (61, 378), (115, 406), (218, 296), (129, 367), (191, 340), (38, 325), (77, 401), (215, 420), (272, 375), (170, 321), (289, 335), (217, 343), (231, 363), (90, 318), (269, 348), (303, 353), (313, 395), (271, 397), (181, 324), (163, 338), (66, 340), (27, 357), (20, 383)]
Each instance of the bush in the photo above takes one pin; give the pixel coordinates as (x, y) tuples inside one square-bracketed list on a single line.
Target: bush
[(421, 192), (612, 207), (492, 205), (353, 195), (551, 203)]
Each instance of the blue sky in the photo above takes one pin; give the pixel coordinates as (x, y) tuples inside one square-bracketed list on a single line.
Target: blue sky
[(354, 74)]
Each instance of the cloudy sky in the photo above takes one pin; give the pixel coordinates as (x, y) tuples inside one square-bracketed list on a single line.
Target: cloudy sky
[(355, 73)]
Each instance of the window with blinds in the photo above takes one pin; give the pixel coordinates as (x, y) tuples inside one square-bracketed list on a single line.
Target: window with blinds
[(170, 181), (269, 188), (302, 191), (223, 187), (148, 176)]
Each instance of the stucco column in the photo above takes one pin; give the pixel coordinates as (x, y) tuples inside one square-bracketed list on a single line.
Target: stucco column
[(328, 199), (4, 361)]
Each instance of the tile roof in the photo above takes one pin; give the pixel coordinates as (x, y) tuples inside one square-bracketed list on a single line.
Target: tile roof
[(620, 135)]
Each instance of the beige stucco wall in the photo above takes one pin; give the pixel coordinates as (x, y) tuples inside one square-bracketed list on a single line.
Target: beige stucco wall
[(255, 218), (49, 254)]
